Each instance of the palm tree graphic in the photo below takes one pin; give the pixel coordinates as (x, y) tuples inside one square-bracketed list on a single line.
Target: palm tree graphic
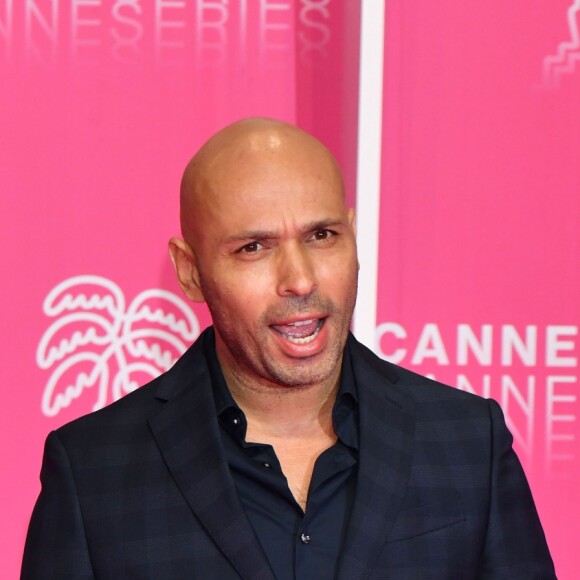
[(98, 343)]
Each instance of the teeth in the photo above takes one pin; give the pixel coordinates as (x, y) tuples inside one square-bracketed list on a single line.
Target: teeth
[(301, 322), (306, 339)]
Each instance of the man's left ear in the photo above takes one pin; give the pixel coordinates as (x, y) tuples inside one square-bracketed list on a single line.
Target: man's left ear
[(185, 265), (351, 220), (352, 223)]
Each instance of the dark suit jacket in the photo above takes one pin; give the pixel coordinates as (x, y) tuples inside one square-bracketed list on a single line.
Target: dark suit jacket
[(141, 489)]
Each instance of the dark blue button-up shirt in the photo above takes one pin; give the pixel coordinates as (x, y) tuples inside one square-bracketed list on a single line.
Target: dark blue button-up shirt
[(299, 545)]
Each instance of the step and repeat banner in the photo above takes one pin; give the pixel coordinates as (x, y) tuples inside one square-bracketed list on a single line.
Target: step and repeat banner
[(103, 102), (479, 267)]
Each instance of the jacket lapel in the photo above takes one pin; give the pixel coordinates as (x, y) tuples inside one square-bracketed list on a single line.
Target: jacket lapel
[(187, 433), (386, 427)]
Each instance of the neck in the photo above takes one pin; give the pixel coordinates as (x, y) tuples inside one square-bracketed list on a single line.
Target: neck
[(285, 411)]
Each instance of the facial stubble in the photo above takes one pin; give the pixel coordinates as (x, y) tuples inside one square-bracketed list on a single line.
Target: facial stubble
[(249, 357)]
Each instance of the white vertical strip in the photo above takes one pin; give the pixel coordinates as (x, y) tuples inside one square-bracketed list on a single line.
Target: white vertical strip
[(368, 186)]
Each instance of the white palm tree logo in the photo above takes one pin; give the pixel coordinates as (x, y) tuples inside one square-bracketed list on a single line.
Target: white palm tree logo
[(96, 341)]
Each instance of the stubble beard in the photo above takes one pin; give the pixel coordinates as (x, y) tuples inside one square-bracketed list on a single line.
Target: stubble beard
[(304, 372), (249, 358)]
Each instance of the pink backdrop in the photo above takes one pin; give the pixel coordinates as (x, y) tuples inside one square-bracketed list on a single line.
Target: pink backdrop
[(480, 223), (103, 102)]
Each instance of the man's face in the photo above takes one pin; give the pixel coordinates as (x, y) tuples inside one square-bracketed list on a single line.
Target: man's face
[(277, 264)]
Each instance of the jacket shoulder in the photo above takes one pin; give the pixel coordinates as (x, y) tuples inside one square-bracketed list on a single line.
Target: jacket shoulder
[(136, 407), (419, 388)]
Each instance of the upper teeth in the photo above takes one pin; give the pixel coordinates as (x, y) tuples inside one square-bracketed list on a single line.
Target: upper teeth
[(304, 340), (301, 322)]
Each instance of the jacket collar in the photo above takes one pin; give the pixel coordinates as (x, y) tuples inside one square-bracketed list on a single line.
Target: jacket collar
[(187, 434), (387, 431)]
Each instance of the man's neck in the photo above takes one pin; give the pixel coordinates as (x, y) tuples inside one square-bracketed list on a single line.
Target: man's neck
[(296, 421), (277, 411)]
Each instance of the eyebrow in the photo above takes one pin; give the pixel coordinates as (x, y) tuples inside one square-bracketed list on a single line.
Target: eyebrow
[(266, 234)]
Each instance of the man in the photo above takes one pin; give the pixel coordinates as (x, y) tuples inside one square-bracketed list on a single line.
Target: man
[(278, 446)]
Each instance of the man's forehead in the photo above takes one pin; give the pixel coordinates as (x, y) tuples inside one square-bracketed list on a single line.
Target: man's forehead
[(269, 179)]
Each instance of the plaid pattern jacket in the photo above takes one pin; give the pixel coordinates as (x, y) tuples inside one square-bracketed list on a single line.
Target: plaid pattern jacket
[(141, 489)]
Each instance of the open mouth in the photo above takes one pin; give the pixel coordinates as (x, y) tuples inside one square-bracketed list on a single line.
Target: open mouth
[(301, 331)]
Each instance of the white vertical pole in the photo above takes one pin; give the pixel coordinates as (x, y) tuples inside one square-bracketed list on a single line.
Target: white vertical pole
[(368, 186)]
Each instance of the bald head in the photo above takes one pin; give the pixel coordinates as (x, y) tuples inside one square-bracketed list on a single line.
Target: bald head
[(239, 155), (270, 247)]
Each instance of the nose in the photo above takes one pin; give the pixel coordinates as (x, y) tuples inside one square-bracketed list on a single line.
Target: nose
[(296, 271)]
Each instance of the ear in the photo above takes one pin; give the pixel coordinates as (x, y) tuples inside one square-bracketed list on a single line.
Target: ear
[(185, 266), (351, 220), (352, 223)]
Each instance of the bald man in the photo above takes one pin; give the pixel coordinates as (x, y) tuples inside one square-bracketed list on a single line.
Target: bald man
[(278, 446)]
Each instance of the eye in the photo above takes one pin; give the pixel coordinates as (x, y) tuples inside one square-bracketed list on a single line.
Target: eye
[(322, 235), (250, 248)]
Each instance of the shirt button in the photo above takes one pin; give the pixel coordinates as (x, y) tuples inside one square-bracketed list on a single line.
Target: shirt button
[(267, 465), (305, 539)]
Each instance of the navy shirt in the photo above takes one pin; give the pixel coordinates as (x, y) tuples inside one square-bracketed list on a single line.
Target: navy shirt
[(299, 545)]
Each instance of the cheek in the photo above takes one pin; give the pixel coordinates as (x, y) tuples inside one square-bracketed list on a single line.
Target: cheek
[(241, 291), (340, 276), (237, 306)]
